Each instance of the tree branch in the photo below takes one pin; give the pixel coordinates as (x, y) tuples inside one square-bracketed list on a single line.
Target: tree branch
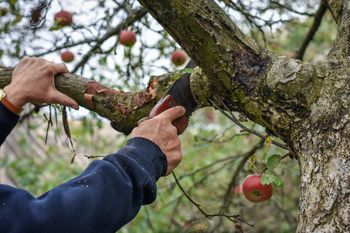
[(272, 91), (133, 17), (123, 109), (341, 45), (312, 31), (275, 92), (335, 6), (233, 218)]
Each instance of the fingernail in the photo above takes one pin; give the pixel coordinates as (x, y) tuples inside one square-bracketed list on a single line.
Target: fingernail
[(76, 107), (182, 109)]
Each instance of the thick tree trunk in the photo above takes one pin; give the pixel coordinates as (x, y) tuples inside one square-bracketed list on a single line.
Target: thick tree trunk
[(324, 167), (305, 105), (323, 145), (323, 141)]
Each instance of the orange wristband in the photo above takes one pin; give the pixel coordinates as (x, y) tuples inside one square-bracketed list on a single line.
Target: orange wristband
[(10, 106)]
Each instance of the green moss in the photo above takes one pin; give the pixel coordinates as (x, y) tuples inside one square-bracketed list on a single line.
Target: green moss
[(200, 87), (253, 109)]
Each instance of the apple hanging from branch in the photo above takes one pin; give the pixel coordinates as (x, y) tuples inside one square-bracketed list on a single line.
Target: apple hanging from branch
[(254, 191), (63, 18), (67, 56), (178, 57), (127, 38)]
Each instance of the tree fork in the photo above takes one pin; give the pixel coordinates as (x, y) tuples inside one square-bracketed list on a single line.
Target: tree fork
[(306, 105), (273, 91)]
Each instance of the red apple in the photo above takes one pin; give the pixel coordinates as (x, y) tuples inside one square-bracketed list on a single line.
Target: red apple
[(63, 18), (127, 38), (254, 191), (67, 56), (178, 57)]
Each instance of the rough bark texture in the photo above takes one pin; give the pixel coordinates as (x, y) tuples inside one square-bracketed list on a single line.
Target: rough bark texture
[(307, 106), (271, 90), (323, 141), (123, 109), (323, 145)]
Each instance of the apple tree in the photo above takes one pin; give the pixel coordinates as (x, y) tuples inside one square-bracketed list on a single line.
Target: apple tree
[(303, 106)]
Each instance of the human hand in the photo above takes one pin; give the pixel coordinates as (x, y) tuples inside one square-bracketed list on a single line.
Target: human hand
[(33, 82), (160, 130)]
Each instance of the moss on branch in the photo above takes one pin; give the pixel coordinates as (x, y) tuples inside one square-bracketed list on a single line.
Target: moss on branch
[(272, 91), (123, 109)]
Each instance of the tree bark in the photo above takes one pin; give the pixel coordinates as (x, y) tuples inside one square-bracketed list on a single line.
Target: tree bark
[(274, 91), (123, 109), (323, 145), (307, 106), (324, 141)]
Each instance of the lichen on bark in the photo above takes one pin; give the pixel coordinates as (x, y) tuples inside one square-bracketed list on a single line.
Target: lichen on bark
[(123, 109), (305, 105)]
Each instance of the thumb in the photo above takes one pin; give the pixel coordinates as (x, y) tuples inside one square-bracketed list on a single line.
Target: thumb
[(173, 113), (60, 98)]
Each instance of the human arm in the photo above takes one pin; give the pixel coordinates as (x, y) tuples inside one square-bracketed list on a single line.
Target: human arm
[(107, 195), (32, 82)]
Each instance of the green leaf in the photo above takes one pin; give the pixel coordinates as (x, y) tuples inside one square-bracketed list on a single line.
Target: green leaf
[(266, 179), (271, 179), (277, 181), (273, 161), (55, 27), (186, 71), (102, 61)]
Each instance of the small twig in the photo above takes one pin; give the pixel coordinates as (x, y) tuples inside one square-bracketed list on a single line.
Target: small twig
[(134, 16), (232, 158), (290, 8), (94, 156), (232, 117), (49, 124), (28, 114), (67, 131), (215, 139), (198, 182), (232, 218), (289, 154), (312, 31)]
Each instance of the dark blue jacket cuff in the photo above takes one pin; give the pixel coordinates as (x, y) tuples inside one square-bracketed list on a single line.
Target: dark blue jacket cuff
[(8, 121)]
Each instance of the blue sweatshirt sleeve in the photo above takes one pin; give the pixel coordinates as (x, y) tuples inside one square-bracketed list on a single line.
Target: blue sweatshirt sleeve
[(103, 198), (8, 121)]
